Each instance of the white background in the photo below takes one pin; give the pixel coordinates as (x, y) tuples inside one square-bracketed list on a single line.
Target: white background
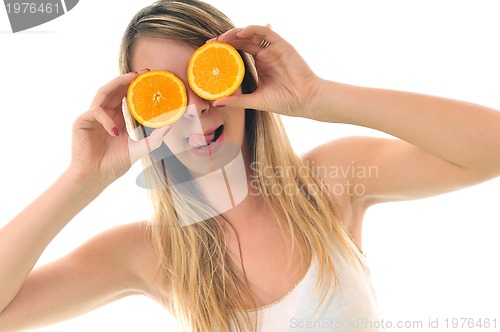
[(432, 258)]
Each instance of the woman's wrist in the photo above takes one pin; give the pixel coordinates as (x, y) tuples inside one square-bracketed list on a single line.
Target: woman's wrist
[(86, 184), (343, 103), (322, 101)]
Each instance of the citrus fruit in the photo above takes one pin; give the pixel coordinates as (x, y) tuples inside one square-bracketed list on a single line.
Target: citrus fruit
[(215, 70), (156, 98)]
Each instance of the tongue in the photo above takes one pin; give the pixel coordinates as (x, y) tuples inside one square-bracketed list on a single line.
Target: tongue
[(198, 140)]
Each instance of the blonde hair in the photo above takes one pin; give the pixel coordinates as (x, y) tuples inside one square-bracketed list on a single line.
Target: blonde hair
[(204, 290)]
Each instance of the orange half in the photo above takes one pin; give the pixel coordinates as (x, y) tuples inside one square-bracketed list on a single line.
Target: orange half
[(156, 98), (215, 70)]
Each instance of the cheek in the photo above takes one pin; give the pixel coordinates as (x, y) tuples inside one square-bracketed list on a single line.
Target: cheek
[(175, 139), (236, 125), (172, 143)]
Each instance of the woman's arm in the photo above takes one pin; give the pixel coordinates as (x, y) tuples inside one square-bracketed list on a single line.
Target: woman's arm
[(445, 144), (461, 133), (111, 265), (25, 238), (95, 273)]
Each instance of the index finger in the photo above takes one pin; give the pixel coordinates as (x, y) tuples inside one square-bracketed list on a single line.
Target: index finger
[(111, 95), (251, 39)]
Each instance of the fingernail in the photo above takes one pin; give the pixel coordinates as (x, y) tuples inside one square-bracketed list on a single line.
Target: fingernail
[(144, 70), (115, 131), (221, 105)]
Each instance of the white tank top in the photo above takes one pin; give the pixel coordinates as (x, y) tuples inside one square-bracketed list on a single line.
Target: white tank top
[(352, 307)]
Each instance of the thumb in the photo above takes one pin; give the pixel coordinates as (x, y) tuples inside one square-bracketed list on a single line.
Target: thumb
[(138, 149), (241, 101)]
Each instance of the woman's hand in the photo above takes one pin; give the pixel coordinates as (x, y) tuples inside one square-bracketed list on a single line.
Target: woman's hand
[(286, 83), (101, 149)]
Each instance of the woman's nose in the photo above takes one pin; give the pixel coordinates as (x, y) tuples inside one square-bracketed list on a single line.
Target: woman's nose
[(197, 106)]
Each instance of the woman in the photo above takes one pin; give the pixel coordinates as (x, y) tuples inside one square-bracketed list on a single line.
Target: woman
[(273, 262)]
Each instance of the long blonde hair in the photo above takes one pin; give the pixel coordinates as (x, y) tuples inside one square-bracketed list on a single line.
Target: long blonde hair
[(204, 290)]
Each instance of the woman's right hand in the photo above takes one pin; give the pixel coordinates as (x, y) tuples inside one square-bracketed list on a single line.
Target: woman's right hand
[(101, 149), (100, 154)]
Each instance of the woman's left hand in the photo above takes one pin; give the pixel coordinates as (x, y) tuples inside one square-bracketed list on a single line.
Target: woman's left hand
[(286, 83)]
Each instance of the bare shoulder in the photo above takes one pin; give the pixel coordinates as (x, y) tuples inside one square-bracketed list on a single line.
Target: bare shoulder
[(128, 247), (125, 252), (370, 170), (345, 152), (113, 264), (341, 164)]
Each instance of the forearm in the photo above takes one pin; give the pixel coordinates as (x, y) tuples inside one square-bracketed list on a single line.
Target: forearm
[(23, 240), (462, 133)]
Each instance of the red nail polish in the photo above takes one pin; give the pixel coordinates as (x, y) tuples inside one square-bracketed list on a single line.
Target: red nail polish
[(220, 105), (115, 131)]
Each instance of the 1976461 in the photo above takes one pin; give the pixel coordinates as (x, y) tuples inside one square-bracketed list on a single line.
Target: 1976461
[(32, 8), (471, 323)]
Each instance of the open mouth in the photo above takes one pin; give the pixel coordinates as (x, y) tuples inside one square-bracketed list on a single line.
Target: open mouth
[(200, 141)]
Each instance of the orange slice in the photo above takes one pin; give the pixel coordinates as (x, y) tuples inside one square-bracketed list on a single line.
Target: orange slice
[(157, 98), (215, 70)]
